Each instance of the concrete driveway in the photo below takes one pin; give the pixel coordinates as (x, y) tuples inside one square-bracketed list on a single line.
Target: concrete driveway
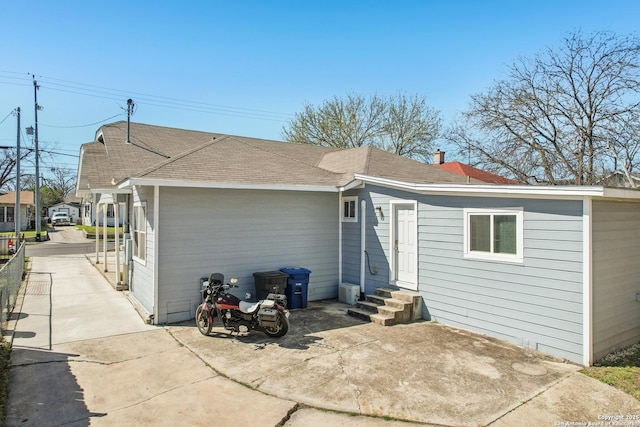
[(82, 356), (422, 372)]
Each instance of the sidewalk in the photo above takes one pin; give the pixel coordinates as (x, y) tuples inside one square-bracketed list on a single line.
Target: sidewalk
[(82, 356)]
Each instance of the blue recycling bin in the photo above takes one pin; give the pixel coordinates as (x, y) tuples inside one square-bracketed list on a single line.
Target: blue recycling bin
[(297, 286)]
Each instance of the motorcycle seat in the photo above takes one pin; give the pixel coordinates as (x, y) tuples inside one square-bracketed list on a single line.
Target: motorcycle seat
[(250, 307)]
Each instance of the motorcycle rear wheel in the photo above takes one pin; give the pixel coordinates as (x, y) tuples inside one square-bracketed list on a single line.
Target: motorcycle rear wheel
[(281, 329), (202, 320)]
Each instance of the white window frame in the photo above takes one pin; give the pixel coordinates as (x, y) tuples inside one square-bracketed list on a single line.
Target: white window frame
[(518, 257), (349, 218), (139, 232)]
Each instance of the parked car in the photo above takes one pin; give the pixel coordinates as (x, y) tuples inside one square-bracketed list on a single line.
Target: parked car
[(60, 218)]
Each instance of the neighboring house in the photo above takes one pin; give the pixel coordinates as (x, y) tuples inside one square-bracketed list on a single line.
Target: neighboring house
[(88, 214), (619, 179), (7, 210), (72, 209), (550, 268), (471, 172)]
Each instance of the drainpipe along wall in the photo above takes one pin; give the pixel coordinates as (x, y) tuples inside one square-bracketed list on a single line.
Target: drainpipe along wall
[(363, 241), (340, 238)]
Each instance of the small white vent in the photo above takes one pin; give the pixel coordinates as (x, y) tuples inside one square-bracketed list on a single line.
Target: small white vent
[(349, 293)]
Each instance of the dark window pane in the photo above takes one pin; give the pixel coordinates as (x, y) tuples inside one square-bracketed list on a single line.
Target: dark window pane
[(504, 233), (480, 233)]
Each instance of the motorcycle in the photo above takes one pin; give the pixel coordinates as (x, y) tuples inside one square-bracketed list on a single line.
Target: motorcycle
[(268, 315)]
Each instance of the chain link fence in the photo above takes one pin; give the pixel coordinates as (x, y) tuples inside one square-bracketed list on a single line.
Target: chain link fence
[(11, 275)]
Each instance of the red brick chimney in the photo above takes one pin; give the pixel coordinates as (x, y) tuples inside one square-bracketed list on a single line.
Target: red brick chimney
[(438, 157)]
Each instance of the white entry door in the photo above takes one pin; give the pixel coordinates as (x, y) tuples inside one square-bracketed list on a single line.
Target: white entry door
[(405, 246)]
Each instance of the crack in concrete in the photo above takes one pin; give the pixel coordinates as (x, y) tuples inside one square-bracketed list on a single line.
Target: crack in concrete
[(160, 394), (298, 405), (350, 383), (535, 396), (97, 362)]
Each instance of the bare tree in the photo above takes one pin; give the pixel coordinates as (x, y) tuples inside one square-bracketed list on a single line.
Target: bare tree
[(561, 117), (342, 123), (8, 160), (410, 127), (400, 124), (62, 181)]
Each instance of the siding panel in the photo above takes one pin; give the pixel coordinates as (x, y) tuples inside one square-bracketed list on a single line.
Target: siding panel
[(537, 304), (616, 275), (141, 285), (239, 232)]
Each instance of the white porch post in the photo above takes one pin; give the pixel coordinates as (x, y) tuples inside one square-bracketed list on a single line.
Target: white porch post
[(104, 235), (116, 224), (94, 208)]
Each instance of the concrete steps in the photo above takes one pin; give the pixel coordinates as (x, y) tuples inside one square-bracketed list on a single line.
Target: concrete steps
[(389, 307)]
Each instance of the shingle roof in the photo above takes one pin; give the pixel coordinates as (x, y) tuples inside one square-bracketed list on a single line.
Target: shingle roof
[(26, 198), (478, 174), (170, 154)]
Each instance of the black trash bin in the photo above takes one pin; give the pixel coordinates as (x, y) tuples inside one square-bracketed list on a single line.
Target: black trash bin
[(297, 286), (268, 282)]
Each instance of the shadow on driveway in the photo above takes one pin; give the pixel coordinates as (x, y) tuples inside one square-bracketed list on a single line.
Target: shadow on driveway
[(47, 392)]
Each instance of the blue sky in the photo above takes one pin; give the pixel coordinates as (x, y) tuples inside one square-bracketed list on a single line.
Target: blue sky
[(246, 67)]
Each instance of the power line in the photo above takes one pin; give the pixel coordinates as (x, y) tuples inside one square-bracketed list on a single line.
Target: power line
[(182, 105), (162, 97), (83, 126), (77, 88), (58, 153), (10, 113)]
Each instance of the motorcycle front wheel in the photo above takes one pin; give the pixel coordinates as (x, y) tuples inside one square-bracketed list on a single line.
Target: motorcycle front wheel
[(281, 329), (202, 320)]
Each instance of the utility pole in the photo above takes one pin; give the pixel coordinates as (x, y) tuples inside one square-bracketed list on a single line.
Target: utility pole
[(37, 107), (16, 212), (130, 106)]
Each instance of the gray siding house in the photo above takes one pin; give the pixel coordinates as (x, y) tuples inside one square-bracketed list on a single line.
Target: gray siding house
[(550, 268)]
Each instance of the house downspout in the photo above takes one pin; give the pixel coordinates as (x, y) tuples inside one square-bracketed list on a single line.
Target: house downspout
[(340, 238), (363, 247), (156, 232)]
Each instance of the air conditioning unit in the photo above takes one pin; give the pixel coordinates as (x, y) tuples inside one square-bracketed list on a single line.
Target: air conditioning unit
[(349, 293)]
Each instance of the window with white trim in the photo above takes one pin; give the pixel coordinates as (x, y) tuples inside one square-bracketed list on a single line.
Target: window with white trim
[(350, 209), (140, 231), (494, 234)]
